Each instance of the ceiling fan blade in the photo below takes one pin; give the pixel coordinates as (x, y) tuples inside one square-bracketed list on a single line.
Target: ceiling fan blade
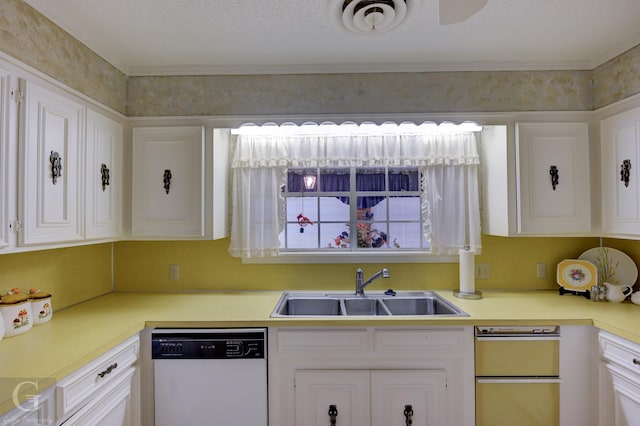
[(454, 11)]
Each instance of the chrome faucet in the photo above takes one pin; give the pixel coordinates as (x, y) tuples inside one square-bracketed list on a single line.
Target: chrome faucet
[(361, 284)]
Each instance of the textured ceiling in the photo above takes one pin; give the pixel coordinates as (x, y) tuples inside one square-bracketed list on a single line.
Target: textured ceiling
[(145, 37)]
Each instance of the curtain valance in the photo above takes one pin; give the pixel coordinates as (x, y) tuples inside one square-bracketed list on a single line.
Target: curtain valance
[(410, 150)]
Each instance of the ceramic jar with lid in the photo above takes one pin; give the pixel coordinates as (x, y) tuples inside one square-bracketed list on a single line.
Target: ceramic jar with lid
[(40, 306), (15, 310)]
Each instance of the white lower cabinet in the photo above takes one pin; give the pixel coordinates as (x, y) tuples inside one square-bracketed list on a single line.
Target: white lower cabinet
[(371, 376), (325, 394), (376, 397), (619, 381), (35, 410), (113, 406), (104, 392)]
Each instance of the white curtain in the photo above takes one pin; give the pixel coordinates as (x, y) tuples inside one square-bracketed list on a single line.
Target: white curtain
[(449, 163)]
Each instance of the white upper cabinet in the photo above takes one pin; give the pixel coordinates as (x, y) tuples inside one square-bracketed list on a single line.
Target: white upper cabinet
[(5, 194), (168, 182), (553, 178), (103, 176), (620, 151), (50, 186), (538, 183)]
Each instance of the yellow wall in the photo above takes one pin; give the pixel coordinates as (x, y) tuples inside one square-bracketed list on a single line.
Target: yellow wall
[(206, 265), (77, 274), (71, 275)]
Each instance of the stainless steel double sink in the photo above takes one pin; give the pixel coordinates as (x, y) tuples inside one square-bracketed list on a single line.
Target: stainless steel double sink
[(426, 303)]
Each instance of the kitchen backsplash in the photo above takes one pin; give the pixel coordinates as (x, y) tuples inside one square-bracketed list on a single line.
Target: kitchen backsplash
[(72, 275), (206, 265)]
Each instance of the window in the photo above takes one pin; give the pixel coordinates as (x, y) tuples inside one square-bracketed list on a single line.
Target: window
[(354, 189), (357, 208)]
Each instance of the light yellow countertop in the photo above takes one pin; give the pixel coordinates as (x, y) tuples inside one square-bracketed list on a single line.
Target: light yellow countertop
[(79, 334)]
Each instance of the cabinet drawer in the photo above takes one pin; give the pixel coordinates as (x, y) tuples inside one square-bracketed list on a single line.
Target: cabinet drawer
[(517, 357), (72, 391), (322, 340), (517, 402), (418, 339), (111, 406), (621, 351)]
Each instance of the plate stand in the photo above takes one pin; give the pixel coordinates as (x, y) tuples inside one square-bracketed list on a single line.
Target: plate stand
[(564, 291)]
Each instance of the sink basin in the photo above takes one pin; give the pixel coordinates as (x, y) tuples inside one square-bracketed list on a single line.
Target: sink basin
[(425, 303), (418, 306), (365, 306), (311, 306)]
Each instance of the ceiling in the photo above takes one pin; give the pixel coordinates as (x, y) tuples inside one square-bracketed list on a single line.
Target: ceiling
[(172, 37)]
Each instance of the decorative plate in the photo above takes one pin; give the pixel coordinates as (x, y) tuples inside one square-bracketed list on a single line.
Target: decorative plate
[(613, 266), (577, 275)]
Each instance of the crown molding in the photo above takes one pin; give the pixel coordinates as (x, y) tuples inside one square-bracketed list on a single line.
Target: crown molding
[(203, 70)]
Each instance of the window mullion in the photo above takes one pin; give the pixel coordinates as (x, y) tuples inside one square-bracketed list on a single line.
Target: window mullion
[(353, 209)]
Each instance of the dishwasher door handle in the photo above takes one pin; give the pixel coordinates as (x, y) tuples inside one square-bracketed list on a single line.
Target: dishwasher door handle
[(516, 338), (518, 380)]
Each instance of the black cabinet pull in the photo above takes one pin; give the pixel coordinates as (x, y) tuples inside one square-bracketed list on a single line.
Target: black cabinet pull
[(104, 175), (333, 413), (56, 166), (408, 414), (625, 172), (555, 176), (167, 180), (108, 370)]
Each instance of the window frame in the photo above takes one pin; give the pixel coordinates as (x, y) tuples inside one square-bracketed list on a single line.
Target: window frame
[(353, 221)]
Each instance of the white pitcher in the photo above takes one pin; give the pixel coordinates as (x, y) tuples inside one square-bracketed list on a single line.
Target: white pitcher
[(617, 293)]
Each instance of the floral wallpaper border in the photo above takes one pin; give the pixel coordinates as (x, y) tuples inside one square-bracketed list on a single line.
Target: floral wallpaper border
[(30, 37)]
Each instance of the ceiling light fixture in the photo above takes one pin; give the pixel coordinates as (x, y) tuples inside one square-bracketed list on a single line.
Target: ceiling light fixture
[(372, 16)]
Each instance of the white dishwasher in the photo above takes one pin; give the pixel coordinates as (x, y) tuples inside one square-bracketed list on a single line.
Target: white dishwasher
[(214, 377)]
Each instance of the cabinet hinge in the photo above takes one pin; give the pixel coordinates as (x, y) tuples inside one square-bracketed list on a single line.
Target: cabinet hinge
[(16, 226), (17, 96)]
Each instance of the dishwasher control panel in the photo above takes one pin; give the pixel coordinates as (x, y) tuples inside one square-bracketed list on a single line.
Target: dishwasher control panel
[(208, 344), (547, 330)]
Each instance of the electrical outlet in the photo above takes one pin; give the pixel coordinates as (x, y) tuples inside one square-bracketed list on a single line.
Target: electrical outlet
[(482, 271), (174, 272), (541, 270)]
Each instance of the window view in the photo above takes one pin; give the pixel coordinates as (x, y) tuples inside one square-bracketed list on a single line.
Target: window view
[(353, 209), (338, 190)]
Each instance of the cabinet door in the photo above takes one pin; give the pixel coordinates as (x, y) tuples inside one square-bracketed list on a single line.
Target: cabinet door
[(4, 157), (626, 391), (35, 410), (103, 173), (168, 182), (50, 182), (620, 146), (553, 178), (401, 397), (318, 392)]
